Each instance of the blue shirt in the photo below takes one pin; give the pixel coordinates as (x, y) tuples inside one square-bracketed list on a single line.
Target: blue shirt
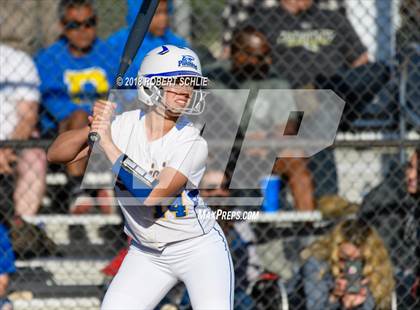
[(7, 257), (119, 38), (70, 83)]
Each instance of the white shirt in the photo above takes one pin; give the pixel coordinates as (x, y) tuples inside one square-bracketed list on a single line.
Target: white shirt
[(183, 149), (19, 81)]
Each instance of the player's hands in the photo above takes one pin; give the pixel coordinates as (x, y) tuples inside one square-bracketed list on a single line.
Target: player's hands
[(7, 157), (100, 122)]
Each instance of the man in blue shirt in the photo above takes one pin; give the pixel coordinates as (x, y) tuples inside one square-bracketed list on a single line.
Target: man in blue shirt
[(75, 71), (159, 33)]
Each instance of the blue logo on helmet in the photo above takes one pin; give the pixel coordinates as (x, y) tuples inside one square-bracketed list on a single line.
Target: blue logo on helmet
[(187, 61), (164, 50)]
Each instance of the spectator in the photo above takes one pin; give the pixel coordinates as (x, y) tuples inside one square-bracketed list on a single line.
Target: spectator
[(333, 44), (237, 12), (309, 41), (318, 48), (159, 33), (393, 207), (329, 284), (7, 266), (251, 69), (19, 97), (74, 71), (309, 45)]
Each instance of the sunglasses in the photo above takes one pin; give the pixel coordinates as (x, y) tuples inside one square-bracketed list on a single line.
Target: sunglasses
[(75, 25)]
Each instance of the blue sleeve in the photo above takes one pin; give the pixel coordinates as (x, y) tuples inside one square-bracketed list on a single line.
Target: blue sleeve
[(7, 257), (127, 179), (317, 289)]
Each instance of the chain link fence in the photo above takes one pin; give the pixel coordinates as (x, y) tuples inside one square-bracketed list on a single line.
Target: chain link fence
[(61, 246)]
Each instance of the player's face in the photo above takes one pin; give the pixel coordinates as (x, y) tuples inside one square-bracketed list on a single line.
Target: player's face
[(411, 175), (79, 26), (177, 96), (160, 20)]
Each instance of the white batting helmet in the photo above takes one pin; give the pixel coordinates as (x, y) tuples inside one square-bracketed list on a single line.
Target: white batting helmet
[(168, 64)]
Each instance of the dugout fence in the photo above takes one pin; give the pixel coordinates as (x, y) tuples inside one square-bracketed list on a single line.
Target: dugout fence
[(61, 257)]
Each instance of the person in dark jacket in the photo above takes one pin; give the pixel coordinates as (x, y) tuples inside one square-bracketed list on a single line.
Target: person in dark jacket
[(393, 208)]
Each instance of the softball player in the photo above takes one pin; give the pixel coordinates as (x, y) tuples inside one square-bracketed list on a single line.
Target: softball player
[(157, 154)]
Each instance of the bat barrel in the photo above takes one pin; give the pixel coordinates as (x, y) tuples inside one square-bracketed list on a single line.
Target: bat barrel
[(135, 38)]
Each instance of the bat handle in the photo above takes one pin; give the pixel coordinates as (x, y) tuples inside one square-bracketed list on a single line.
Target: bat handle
[(93, 137)]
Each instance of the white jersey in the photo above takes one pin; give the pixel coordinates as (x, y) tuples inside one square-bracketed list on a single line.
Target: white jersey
[(183, 149)]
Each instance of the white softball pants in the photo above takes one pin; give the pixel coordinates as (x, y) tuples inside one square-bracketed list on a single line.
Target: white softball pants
[(203, 264)]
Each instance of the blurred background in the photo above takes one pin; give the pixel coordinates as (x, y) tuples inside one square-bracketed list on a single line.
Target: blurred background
[(337, 230)]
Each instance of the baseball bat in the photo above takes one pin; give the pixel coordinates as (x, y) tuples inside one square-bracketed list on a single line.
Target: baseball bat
[(134, 40)]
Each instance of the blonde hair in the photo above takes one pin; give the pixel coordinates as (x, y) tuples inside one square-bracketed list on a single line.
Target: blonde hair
[(377, 265)]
